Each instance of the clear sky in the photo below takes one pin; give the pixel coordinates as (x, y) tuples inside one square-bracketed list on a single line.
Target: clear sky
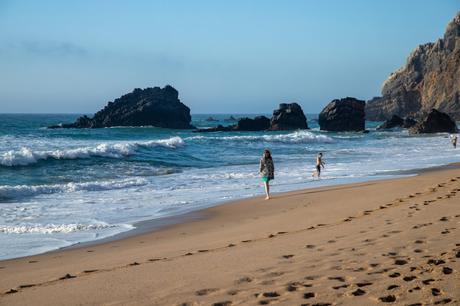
[(222, 56)]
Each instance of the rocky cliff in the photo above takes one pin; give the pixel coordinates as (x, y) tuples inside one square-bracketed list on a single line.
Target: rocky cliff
[(155, 106), (429, 79)]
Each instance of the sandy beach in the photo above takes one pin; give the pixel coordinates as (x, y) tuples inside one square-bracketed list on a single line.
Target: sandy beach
[(394, 241)]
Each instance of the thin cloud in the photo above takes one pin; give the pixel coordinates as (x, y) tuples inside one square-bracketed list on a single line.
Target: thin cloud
[(46, 48)]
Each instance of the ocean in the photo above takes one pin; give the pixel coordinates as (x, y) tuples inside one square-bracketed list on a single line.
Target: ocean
[(59, 187)]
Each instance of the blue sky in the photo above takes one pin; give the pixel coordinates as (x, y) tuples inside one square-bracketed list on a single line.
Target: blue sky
[(222, 56)]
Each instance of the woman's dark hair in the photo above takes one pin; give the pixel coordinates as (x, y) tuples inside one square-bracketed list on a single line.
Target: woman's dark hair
[(267, 154)]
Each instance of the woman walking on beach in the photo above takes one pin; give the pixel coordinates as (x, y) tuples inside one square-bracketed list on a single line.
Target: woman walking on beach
[(267, 171)]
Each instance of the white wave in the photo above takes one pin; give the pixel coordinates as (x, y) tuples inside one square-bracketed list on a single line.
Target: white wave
[(27, 156), (52, 228), (295, 137), (17, 191)]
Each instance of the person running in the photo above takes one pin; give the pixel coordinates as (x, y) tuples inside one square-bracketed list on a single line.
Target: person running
[(267, 171), (319, 164), (453, 139)]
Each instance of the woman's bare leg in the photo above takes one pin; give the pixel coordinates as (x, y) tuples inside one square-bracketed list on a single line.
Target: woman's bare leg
[(267, 190)]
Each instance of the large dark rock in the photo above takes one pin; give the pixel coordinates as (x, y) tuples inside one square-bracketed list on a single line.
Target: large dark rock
[(343, 115), (288, 117), (397, 122), (429, 79), (155, 106), (435, 122), (259, 123)]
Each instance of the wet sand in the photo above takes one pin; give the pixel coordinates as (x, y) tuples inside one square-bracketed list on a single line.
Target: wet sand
[(381, 242)]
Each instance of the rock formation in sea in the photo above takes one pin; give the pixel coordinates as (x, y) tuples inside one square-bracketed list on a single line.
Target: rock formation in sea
[(342, 115), (259, 123), (286, 117), (397, 122), (429, 79), (155, 106), (435, 122), (289, 116)]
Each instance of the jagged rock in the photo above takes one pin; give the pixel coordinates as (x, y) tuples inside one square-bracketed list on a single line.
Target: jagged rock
[(397, 122), (435, 122), (155, 106), (288, 117), (429, 79), (343, 115), (259, 123)]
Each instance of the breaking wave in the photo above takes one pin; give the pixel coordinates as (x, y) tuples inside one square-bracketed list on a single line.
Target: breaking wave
[(18, 191), (295, 137), (26, 156)]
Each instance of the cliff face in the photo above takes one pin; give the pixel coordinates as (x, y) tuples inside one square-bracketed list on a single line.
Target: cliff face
[(429, 79)]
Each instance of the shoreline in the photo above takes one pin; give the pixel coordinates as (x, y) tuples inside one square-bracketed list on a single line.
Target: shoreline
[(161, 223), (151, 225), (320, 245)]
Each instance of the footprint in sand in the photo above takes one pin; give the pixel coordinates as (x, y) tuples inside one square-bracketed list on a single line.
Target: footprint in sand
[(400, 262), (294, 286), (388, 299), (409, 278), (244, 279), (225, 303), (443, 301), (26, 286), (90, 271), (391, 287), (447, 270), (340, 286), (155, 259), (363, 284), (271, 294), (435, 291), (308, 295), (358, 292), (395, 274), (206, 291), (67, 276)]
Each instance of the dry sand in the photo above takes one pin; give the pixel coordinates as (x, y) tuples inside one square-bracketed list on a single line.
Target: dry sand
[(394, 241)]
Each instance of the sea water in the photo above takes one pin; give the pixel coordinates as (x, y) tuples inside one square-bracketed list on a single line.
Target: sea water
[(59, 187)]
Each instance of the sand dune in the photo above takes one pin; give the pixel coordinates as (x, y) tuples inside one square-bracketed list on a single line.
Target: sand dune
[(387, 242)]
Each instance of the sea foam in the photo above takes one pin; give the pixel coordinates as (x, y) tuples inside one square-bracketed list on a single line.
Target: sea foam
[(52, 228), (26, 156), (298, 137), (18, 191)]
